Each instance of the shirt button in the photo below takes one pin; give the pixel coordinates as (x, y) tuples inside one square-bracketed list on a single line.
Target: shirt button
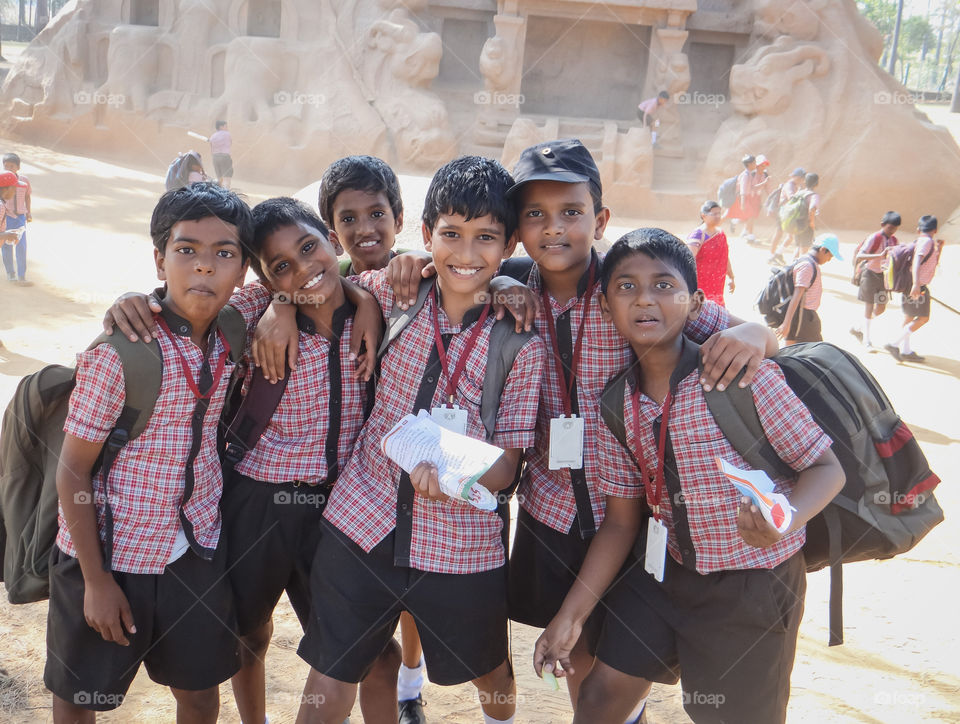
[(564, 356), (430, 379), (183, 329), (686, 552)]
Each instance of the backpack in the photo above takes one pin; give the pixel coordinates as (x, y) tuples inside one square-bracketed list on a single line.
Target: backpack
[(772, 203), (32, 437), (859, 266), (887, 503), (178, 172), (898, 268), (774, 298), (794, 213), (727, 192)]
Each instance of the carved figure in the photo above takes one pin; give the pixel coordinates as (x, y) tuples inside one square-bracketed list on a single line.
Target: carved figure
[(767, 82)]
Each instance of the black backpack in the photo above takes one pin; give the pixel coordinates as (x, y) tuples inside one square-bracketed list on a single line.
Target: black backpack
[(178, 172), (31, 439), (774, 298), (887, 503)]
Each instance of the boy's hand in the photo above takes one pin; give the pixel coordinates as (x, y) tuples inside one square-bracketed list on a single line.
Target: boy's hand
[(107, 610), (275, 341), (521, 301), (367, 329), (426, 481), (726, 353), (404, 273), (782, 331), (754, 528), (554, 647), (915, 292), (133, 314), (9, 237), (731, 286)]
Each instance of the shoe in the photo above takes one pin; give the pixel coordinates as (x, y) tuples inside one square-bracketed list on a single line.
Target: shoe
[(869, 345), (912, 357), (24, 283), (894, 351), (411, 711), (11, 277), (856, 333)]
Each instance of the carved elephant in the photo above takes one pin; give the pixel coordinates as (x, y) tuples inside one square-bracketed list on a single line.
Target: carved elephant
[(765, 84)]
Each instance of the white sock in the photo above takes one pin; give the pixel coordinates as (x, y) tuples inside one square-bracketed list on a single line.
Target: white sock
[(637, 711), (866, 329), (409, 682), (653, 139), (905, 342), (487, 719)]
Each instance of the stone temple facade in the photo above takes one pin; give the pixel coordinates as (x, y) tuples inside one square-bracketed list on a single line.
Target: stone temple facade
[(303, 82)]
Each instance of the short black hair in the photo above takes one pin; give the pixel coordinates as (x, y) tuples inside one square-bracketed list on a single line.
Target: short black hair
[(709, 206), (275, 213), (748, 159), (220, 124), (471, 186), (811, 180), (656, 244), (197, 201), (927, 223), (362, 173), (891, 217), (11, 158), (664, 95)]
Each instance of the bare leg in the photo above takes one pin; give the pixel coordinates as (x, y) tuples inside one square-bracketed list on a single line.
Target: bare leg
[(498, 692), (249, 684), (197, 707), (378, 691), (65, 712), (325, 700), (582, 662), (608, 696), (410, 640)]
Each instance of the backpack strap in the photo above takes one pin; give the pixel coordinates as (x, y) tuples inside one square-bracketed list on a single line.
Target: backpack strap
[(234, 328), (504, 346), (611, 410), (252, 418), (517, 267), (400, 318)]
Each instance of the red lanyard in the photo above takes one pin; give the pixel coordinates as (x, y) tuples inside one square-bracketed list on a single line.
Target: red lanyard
[(567, 389), (185, 366), (653, 488), (441, 350)]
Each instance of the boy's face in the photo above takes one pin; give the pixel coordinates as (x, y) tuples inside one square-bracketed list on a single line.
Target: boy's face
[(889, 229), (300, 263), (11, 166), (648, 302), (556, 223), (467, 254), (202, 265), (364, 224)]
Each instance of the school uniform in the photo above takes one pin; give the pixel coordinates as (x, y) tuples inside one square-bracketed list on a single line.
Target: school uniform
[(274, 499), (164, 546), (871, 279), (926, 250), (15, 217), (383, 549), (805, 325), (560, 510), (725, 618)]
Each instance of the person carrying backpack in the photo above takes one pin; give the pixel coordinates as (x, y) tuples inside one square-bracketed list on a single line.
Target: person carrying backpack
[(802, 323), (798, 215), (868, 276), (916, 302)]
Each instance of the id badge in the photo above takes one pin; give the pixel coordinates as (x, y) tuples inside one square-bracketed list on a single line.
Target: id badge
[(566, 442), (655, 559), (453, 418)]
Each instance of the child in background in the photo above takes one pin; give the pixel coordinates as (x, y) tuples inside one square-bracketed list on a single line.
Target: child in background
[(647, 113), (787, 189), (221, 143), (724, 615), (871, 291), (16, 215), (802, 324), (708, 243)]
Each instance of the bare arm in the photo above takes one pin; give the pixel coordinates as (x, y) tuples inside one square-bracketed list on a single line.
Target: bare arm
[(367, 328), (501, 474), (784, 329), (742, 346)]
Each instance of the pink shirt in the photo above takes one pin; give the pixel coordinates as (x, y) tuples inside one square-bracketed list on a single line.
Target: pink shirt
[(220, 142), (876, 243), (927, 251), (803, 276), (649, 106)]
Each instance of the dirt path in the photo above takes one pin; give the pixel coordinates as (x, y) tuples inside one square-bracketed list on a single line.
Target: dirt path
[(89, 242)]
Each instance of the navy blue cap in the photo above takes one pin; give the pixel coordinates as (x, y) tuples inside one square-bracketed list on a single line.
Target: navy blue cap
[(566, 160)]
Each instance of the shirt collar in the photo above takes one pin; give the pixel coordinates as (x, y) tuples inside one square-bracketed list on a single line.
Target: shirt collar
[(306, 325), (582, 283), (689, 362), (177, 324)]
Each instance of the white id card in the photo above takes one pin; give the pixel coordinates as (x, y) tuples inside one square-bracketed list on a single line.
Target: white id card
[(656, 556), (453, 418), (566, 442)]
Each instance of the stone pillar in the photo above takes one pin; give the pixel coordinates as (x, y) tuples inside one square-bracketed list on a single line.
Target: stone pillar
[(501, 64)]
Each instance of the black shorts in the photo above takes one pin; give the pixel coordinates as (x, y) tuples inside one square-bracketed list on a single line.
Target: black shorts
[(805, 327), (461, 618), (730, 636), (186, 633), (872, 289), (804, 239), (272, 530), (919, 307), (544, 564), (222, 165)]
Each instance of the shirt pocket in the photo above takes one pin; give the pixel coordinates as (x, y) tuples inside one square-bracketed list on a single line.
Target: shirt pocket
[(470, 398)]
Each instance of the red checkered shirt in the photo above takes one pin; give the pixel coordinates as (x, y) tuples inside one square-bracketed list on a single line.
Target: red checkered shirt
[(147, 479), (293, 446), (19, 205), (711, 501), (548, 494), (452, 536), (874, 245)]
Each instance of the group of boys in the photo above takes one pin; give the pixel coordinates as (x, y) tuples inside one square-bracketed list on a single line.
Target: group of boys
[(14, 214), (170, 573)]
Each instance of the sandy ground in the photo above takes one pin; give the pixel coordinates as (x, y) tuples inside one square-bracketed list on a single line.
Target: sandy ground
[(89, 242)]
